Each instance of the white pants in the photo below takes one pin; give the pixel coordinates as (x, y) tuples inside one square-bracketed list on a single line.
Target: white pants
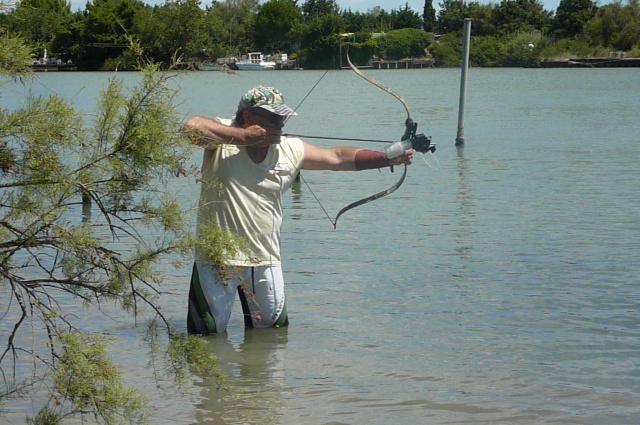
[(261, 292)]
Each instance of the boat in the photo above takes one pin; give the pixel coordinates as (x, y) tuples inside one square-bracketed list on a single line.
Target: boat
[(207, 66), (590, 63), (47, 63), (255, 62)]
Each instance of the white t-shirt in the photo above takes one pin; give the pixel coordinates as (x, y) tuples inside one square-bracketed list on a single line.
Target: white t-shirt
[(246, 198)]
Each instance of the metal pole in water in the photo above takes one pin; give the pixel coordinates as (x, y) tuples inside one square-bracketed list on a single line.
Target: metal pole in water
[(463, 80)]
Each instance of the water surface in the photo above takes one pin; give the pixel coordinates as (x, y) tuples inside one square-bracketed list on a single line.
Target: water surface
[(499, 284)]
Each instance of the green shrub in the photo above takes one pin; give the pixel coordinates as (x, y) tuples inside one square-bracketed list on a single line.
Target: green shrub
[(404, 43), (487, 52), (447, 51)]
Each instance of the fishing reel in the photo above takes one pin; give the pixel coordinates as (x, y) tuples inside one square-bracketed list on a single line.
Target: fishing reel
[(419, 142)]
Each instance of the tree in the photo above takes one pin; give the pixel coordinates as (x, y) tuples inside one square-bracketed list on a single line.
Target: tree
[(321, 41), (429, 16), (53, 254), (448, 51), (405, 18), (615, 26), (230, 24), (14, 55), (148, 29), (364, 24), (104, 38), (354, 21), (320, 34), (482, 19), (487, 51), (176, 26), (512, 16), (312, 9), (274, 23), (571, 16), (47, 24), (451, 16)]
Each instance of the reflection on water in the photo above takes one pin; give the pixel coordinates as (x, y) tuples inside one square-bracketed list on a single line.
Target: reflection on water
[(253, 390), (465, 212)]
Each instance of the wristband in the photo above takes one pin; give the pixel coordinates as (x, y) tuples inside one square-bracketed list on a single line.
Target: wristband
[(368, 160)]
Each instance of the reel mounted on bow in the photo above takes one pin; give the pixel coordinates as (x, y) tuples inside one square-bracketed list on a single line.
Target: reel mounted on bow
[(419, 142)]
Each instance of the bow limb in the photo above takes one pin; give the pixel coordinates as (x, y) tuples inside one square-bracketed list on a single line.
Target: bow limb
[(372, 197), (379, 85), (404, 173)]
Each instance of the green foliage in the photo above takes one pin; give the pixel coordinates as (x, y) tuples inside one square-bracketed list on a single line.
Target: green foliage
[(405, 17), (482, 20), (14, 57), (214, 244), (507, 51), (571, 16), (321, 41), (312, 9), (53, 163), (513, 16), (615, 26), (273, 27), (184, 353), (176, 27), (47, 24), (487, 51), (404, 43), (46, 416), (562, 49), (104, 34), (448, 51), (518, 54), (85, 377), (429, 16), (451, 16), (374, 20), (97, 37), (360, 53), (229, 24), (189, 352)]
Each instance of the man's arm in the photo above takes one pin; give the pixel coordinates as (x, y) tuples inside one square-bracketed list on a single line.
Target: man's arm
[(209, 133), (349, 159)]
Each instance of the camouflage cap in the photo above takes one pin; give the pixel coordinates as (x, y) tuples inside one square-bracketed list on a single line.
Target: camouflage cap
[(267, 98)]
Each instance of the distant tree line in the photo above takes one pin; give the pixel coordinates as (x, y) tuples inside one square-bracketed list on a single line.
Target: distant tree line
[(315, 31)]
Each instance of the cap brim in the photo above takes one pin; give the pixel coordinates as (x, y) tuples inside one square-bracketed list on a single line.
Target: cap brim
[(280, 109)]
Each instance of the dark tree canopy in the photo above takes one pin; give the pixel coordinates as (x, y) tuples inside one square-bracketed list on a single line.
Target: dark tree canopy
[(429, 16), (571, 16), (274, 24), (511, 16)]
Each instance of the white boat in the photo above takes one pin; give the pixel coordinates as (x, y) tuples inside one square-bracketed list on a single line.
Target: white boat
[(47, 63), (255, 62)]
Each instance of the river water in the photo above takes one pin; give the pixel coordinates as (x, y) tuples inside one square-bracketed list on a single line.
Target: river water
[(499, 284)]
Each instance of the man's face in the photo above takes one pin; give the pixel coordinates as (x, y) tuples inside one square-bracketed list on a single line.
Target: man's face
[(267, 120), (271, 123)]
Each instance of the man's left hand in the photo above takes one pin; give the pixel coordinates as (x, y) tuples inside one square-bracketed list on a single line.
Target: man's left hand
[(405, 158)]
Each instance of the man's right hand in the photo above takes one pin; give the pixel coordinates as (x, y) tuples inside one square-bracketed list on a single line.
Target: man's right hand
[(254, 135)]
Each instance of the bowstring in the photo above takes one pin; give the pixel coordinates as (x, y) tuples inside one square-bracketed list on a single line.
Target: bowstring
[(300, 172), (307, 95)]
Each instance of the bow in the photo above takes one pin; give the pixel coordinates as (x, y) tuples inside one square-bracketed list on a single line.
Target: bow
[(419, 142)]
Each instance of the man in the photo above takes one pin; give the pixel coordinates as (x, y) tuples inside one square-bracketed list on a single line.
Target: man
[(253, 165)]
